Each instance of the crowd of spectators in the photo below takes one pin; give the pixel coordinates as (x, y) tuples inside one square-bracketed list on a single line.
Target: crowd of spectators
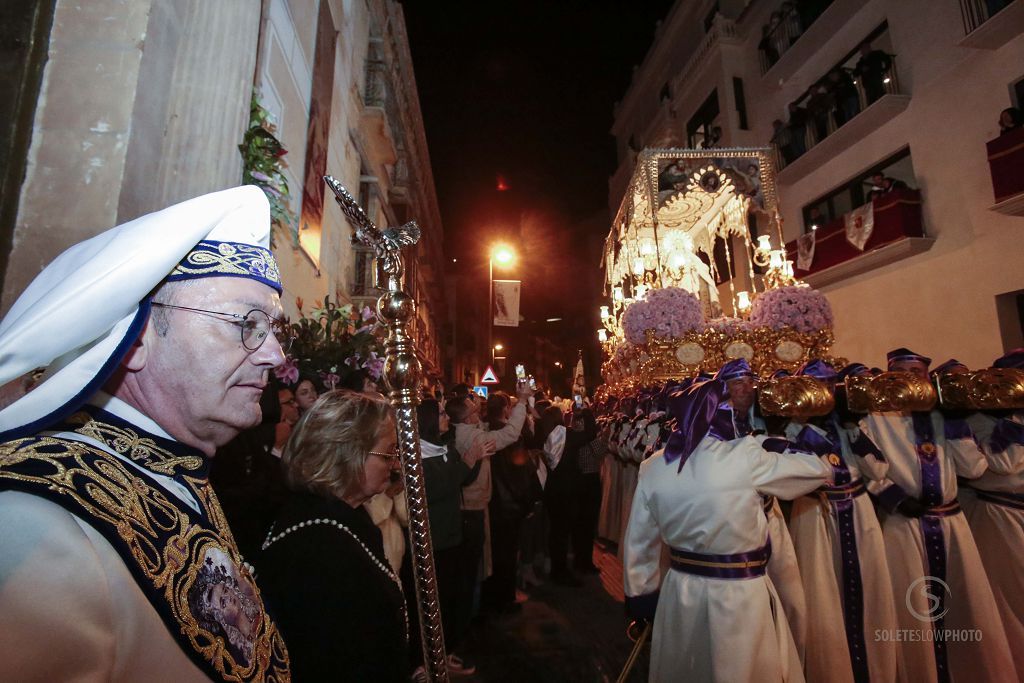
[(512, 491), (831, 102)]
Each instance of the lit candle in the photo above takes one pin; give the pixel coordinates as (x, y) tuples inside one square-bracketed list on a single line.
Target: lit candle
[(604, 312), (775, 258), (742, 300), (617, 293), (638, 265), (640, 291), (764, 242), (602, 336)]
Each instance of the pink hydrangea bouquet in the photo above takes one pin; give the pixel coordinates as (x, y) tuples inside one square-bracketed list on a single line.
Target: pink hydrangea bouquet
[(800, 307), (669, 312)]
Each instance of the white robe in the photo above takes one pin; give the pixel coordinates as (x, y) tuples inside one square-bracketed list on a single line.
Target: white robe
[(970, 602), (999, 530), (708, 629), (815, 532)]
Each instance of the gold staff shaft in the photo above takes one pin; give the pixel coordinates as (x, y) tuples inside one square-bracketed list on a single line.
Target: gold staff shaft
[(403, 375), (637, 649)]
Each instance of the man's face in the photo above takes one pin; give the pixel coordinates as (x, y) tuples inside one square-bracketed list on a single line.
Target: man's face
[(741, 393), (289, 409), (915, 367), (206, 384)]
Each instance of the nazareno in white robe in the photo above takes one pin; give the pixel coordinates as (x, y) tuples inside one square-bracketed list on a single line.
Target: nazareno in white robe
[(999, 529), (969, 599), (708, 629), (814, 527)]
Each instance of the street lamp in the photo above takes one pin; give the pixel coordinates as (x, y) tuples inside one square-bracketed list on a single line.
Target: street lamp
[(503, 254), (494, 349)]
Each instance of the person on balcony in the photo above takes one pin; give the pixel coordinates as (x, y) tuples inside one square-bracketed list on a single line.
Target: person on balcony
[(872, 68), (819, 104), (797, 128), (846, 102), (783, 140), (1010, 119)]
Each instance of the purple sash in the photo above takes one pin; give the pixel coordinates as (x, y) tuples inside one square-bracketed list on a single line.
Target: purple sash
[(840, 499), (931, 526), (746, 565), (1010, 500)]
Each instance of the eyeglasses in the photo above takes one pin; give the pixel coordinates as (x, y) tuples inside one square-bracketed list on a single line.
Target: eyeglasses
[(389, 457), (255, 326)]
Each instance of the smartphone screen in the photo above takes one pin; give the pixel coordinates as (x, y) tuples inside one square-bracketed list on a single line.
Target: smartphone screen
[(533, 383), (579, 401), (520, 372)]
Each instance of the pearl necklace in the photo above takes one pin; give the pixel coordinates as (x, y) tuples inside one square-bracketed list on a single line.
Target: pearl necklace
[(383, 566)]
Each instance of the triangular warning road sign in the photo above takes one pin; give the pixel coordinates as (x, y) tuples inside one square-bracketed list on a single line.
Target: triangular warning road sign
[(489, 376)]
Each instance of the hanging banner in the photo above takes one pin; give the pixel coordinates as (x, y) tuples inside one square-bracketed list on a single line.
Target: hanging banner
[(859, 224), (506, 303), (805, 250), (579, 384)]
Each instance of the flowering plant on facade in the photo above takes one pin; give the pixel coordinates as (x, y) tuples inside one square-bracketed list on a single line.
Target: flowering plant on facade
[(800, 307), (263, 165), (728, 325), (669, 312), (331, 343)]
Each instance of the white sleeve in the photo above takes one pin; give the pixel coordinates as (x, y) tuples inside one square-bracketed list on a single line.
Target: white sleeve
[(641, 557), (507, 435), (56, 615), (786, 475)]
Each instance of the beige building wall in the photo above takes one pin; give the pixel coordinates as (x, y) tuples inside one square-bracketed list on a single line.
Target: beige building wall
[(942, 302), (130, 118), (377, 149)]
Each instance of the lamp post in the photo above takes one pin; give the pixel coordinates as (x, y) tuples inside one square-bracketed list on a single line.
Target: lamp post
[(494, 349), (504, 255)]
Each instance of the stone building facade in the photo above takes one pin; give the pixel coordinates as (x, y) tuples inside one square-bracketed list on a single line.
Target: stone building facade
[(139, 104)]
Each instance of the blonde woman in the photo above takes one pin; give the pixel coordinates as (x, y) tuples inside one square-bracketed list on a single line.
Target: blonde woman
[(338, 602)]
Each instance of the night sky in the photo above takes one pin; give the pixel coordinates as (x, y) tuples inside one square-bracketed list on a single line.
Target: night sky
[(524, 92)]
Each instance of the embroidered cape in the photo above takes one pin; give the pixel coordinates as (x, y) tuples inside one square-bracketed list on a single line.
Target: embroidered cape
[(185, 561)]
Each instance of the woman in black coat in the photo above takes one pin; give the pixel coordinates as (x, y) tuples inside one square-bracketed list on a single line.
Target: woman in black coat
[(322, 568), (561, 453)]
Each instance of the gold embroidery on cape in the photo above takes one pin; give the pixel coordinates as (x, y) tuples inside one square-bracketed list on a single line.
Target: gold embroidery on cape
[(139, 449), (108, 490)]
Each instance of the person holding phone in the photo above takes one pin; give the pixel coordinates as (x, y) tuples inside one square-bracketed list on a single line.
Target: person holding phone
[(561, 454)]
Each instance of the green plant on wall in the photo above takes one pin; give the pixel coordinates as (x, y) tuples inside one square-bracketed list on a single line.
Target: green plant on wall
[(263, 165)]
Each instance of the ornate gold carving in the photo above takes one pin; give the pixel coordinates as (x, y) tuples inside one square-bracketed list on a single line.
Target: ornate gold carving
[(988, 389), (890, 391), (665, 360), (800, 397)]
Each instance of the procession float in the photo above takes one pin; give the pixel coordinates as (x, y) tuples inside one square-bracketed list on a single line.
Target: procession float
[(697, 273)]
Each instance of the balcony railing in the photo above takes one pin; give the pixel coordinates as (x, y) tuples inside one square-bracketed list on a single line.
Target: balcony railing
[(976, 12), (898, 228), (1006, 164), (784, 29), (826, 118)]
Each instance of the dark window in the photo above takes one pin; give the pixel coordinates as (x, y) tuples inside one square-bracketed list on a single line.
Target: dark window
[(709, 18), (698, 128), (741, 101)]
